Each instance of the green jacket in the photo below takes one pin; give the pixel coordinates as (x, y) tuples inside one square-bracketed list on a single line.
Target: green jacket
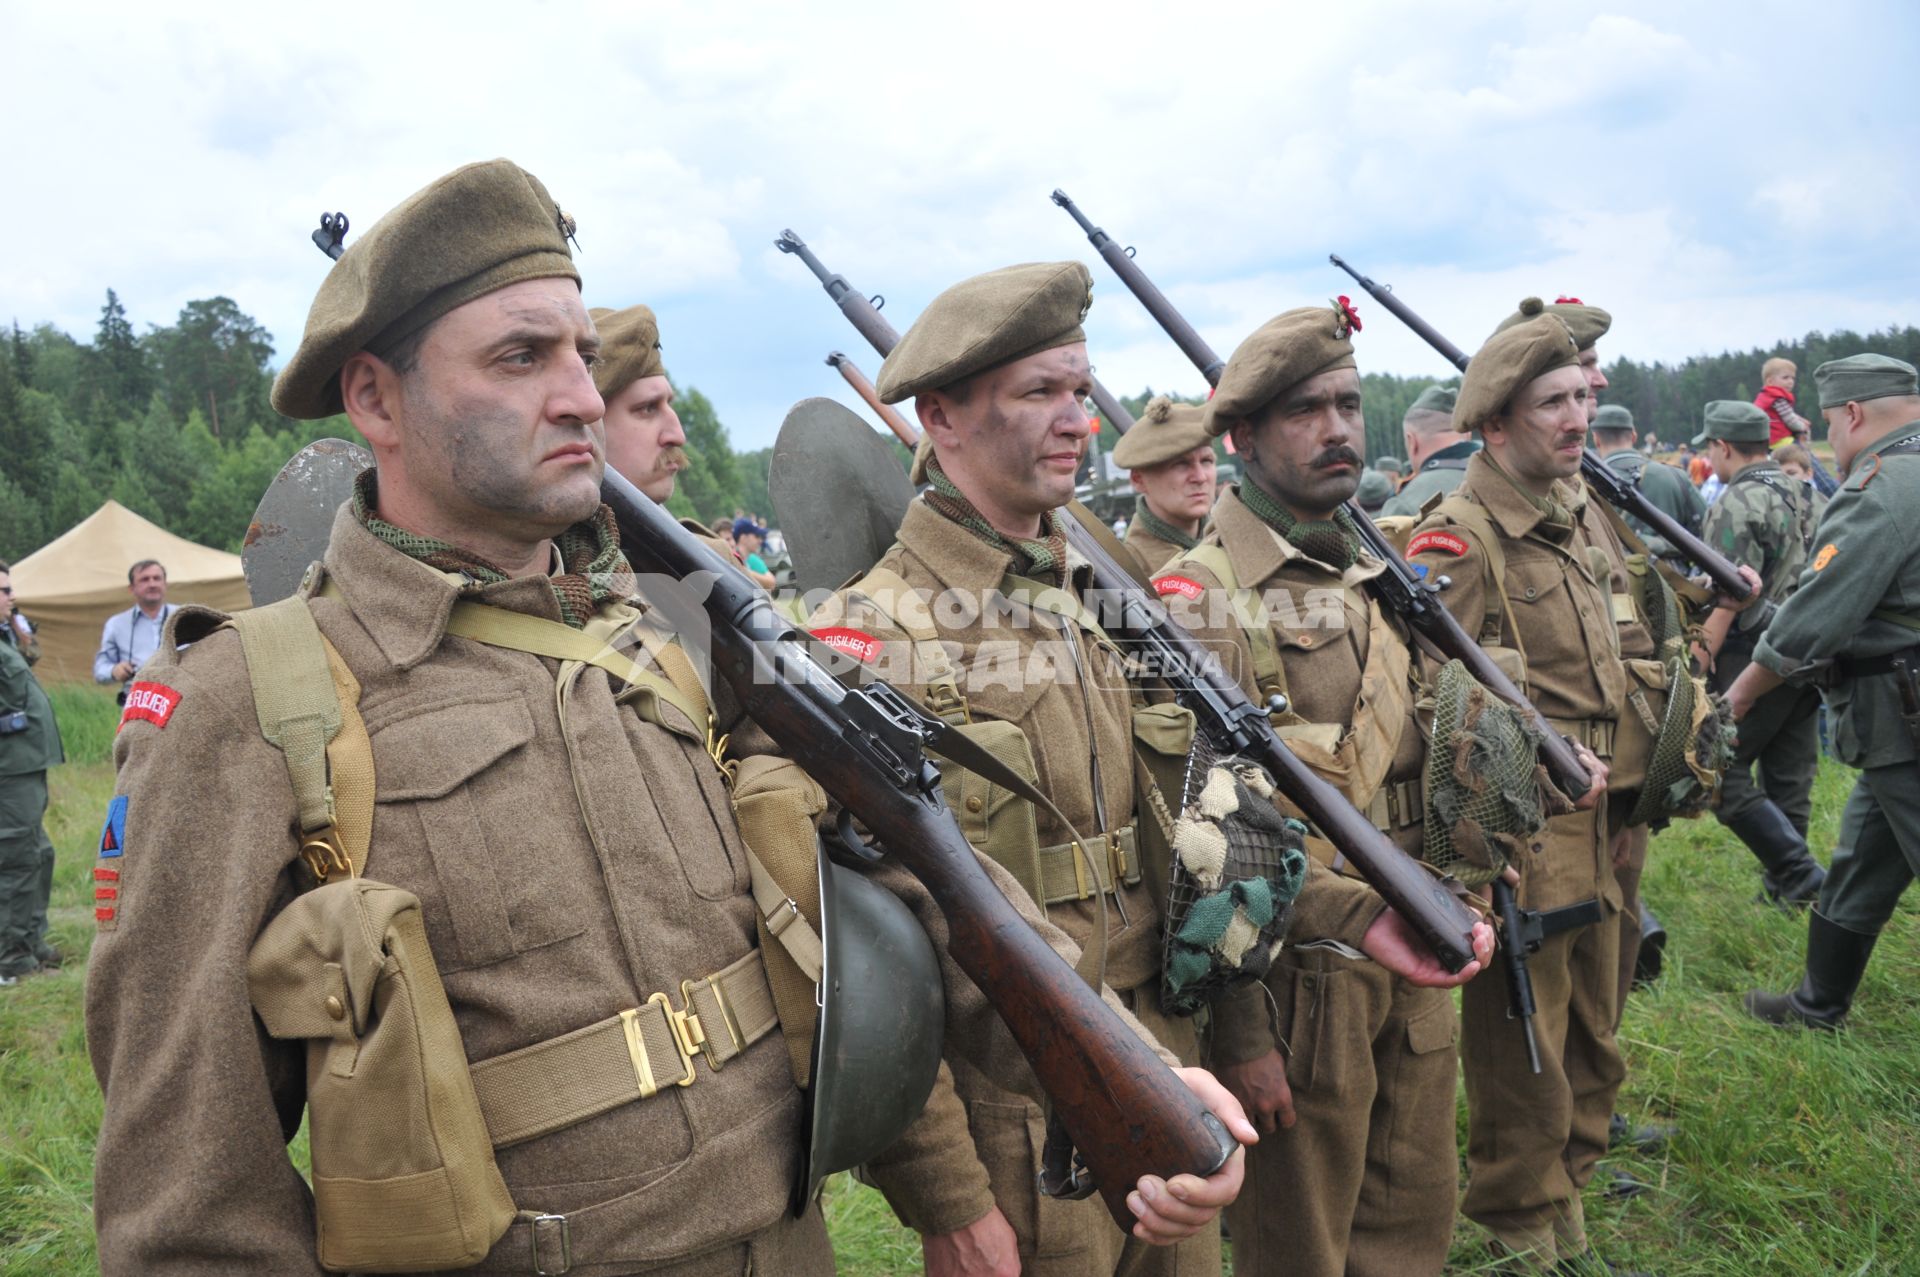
[(1670, 491), (38, 747), (1764, 520), (1437, 476), (1859, 597)]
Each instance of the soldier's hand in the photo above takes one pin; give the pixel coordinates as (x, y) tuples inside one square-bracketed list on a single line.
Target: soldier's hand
[(1752, 579), (1261, 1087), (1171, 1210), (1398, 947), (1597, 773), (985, 1248)]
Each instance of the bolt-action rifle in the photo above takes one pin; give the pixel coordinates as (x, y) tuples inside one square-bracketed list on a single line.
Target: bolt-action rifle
[(1233, 723), (1613, 489)]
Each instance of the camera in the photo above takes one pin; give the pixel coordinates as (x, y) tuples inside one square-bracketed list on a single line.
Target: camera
[(14, 722)]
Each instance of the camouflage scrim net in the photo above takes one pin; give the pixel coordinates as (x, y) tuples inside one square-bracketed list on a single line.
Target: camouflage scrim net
[(1661, 608), (1695, 745), (1237, 866), (1486, 790)]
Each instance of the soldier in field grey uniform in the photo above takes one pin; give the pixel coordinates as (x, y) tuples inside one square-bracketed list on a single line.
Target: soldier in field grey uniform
[(1764, 520), (1666, 486), (1854, 626), (1436, 451)]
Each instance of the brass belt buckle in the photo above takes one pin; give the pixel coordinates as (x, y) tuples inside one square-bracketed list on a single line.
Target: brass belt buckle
[(324, 853), (688, 1037)]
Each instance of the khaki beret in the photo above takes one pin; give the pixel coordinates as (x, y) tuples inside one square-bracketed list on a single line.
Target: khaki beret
[(629, 348), (1512, 357), (1734, 420), (1283, 352), (1165, 430), (1435, 399), (986, 321), (1588, 324), (1613, 416), (1859, 378), (478, 229)]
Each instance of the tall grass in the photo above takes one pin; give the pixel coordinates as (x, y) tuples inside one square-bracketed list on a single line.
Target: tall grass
[(1797, 1153), (88, 717)]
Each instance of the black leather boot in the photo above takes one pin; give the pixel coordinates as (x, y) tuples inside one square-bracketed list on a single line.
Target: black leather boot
[(1836, 959), (1793, 876)]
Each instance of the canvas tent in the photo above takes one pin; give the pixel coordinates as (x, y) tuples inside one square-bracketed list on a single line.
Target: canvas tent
[(69, 587)]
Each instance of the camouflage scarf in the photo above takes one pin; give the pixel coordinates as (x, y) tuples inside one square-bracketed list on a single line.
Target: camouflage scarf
[(590, 550), (1042, 559), (1154, 526), (1335, 541)]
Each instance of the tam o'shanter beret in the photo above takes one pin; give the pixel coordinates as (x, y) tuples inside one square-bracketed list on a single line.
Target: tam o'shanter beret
[(476, 230), (1734, 420), (1165, 430), (1859, 378), (987, 321), (1588, 324), (1435, 399), (1613, 416), (1512, 357), (1283, 352), (629, 348)]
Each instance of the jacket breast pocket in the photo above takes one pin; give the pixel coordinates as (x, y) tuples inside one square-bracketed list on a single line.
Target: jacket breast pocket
[(458, 821)]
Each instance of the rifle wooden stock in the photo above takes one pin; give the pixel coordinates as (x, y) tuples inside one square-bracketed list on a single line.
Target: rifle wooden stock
[(1237, 725), (888, 414), (1397, 588), (1614, 490), (1128, 1114)]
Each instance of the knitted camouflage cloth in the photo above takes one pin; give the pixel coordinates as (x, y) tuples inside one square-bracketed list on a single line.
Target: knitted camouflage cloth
[(1042, 559), (595, 569), (1334, 541), (1159, 528)]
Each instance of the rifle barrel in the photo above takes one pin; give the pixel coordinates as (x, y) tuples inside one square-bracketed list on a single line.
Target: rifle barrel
[(888, 414)]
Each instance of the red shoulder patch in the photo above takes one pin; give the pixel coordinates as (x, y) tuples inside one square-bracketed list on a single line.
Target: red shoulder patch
[(855, 643), (1436, 540), (1185, 587), (149, 703)]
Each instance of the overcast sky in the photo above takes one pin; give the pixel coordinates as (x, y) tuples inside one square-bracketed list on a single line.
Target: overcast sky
[(1717, 174)]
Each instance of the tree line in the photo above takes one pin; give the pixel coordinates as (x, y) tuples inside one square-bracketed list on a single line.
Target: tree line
[(175, 423)]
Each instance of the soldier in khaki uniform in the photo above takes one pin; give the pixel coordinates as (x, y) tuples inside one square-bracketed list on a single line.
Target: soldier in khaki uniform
[(1532, 1140), (1363, 1179), (569, 838), (977, 612), (644, 440), (1765, 520), (1169, 460)]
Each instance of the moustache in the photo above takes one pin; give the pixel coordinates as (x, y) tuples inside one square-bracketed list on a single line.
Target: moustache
[(673, 457), (1335, 456)]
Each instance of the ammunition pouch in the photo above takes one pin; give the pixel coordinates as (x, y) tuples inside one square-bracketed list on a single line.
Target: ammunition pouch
[(403, 1173)]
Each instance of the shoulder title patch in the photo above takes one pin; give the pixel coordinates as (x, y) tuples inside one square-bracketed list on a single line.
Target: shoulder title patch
[(149, 703), (1825, 556), (855, 643), (1185, 587), (1436, 540)]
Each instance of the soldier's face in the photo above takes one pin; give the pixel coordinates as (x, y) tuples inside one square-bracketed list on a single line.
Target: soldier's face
[(1539, 438), (1596, 380), (1180, 490), (1014, 444), (6, 597), (1306, 447), (1725, 464), (644, 440), (499, 426)]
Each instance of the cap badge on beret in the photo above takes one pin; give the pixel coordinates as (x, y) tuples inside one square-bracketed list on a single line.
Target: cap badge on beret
[(1346, 318), (567, 226), (1568, 301)]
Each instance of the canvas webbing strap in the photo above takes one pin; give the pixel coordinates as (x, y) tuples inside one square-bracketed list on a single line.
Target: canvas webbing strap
[(1396, 805), (902, 604), (1269, 675), (1112, 858), (635, 1055), (1595, 733)]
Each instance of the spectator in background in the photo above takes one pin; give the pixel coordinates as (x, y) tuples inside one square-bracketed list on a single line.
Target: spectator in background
[(29, 745), (723, 529), (1699, 469), (1784, 425), (748, 537), (1390, 466), (1795, 462), (130, 637)]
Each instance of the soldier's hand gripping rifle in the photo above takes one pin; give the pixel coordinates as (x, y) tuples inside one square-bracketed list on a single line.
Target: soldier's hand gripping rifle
[(1128, 1114), (1133, 614), (1613, 489), (1396, 588)]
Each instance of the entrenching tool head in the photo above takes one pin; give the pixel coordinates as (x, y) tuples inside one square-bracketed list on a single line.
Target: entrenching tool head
[(294, 519), (838, 493)]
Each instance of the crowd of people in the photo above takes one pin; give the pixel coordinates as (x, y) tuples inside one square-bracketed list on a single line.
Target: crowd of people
[(570, 857)]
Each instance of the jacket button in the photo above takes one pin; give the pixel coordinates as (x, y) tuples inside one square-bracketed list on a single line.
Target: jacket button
[(335, 1009), (975, 803), (1530, 591)]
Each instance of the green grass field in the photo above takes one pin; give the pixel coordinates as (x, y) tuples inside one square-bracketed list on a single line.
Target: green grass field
[(1797, 1153)]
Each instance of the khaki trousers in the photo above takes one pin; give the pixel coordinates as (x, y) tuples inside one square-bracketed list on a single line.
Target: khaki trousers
[(1364, 1181), (1532, 1141), (1628, 876)]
